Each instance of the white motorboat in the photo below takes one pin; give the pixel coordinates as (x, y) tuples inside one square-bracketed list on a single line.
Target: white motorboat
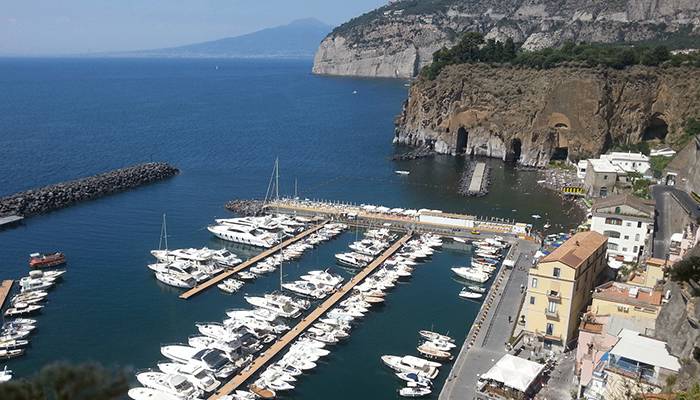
[(350, 260), (198, 376), (28, 284), (141, 393), (246, 276), (440, 344), (278, 385), (212, 360), (471, 274), (46, 274), (415, 378), (5, 374), (241, 395), (225, 258), (179, 268), (323, 277), (428, 350), (299, 302), (414, 391), (33, 297), (434, 336), (262, 269), (466, 294), (176, 280), (400, 172), (230, 285), (173, 384), (306, 288), (7, 354), (284, 309), (274, 374), (258, 313), (287, 369), (20, 308), (11, 344), (244, 234), (425, 368), (477, 289)]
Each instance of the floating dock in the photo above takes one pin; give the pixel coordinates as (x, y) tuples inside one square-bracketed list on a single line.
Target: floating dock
[(5, 288), (307, 321), (249, 262)]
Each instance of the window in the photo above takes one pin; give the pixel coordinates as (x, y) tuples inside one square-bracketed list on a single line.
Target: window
[(552, 307), (556, 272), (612, 246), (628, 224), (532, 299), (605, 177), (617, 210), (639, 224), (613, 221), (636, 237), (550, 329), (612, 234), (624, 249), (627, 237), (534, 282), (636, 249)]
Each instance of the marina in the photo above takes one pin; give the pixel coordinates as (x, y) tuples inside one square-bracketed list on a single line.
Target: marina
[(307, 321), (248, 263)]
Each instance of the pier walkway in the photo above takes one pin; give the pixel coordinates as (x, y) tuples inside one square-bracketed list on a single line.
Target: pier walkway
[(5, 288), (477, 178), (249, 262), (491, 331), (305, 322)]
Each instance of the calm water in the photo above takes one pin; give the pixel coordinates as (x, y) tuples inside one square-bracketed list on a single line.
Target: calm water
[(62, 119)]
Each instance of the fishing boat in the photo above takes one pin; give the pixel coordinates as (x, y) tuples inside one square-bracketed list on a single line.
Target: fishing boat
[(39, 260)]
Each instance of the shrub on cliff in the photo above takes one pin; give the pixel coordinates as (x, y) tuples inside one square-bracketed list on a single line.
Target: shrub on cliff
[(686, 269)]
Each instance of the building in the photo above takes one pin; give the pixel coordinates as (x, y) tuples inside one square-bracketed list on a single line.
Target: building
[(652, 273), (601, 177), (635, 365), (663, 152), (682, 243), (628, 223), (560, 285), (626, 301), (510, 378), (630, 162)]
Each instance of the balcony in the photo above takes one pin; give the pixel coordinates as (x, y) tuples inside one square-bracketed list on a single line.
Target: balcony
[(551, 314), (551, 336), (554, 295)]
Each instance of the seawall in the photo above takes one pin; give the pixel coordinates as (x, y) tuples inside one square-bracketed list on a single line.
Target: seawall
[(60, 195)]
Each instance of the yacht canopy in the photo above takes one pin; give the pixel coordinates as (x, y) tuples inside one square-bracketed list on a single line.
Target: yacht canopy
[(514, 372)]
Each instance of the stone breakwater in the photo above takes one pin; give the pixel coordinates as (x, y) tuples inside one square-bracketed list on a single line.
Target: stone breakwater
[(60, 195)]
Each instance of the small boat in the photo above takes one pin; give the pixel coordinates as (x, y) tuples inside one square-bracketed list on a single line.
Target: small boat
[(477, 289), (400, 172), (262, 392), (536, 216), (5, 374), (434, 336), (11, 344), (425, 368), (142, 393), (414, 377), (547, 225), (414, 391), (230, 285), (466, 294), (459, 240), (39, 260), (247, 276), (430, 351), (7, 354)]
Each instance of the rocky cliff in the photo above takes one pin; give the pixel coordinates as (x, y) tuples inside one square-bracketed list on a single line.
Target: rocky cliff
[(532, 115), (397, 40)]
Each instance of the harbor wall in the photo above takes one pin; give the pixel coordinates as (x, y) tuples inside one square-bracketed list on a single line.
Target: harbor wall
[(60, 195)]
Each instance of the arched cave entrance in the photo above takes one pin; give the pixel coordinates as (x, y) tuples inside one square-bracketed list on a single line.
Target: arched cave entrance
[(656, 130), (462, 139), (560, 153), (516, 146)]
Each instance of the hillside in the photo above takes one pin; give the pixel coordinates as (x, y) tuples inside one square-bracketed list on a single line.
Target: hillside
[(298, 39), (399, 39)]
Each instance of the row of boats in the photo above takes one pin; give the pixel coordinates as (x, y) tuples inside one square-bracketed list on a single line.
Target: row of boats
[(486, 256), (15, 331), (220, 350), (417, 372), (185, 268), (264, 231)]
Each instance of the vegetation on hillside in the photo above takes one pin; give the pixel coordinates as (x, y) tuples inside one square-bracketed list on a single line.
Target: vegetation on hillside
[(67, 382), (690, 130), (686, 269), (472, 48), (691, 394)]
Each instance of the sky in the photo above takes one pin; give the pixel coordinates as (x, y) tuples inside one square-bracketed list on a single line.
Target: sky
[(36, 27)]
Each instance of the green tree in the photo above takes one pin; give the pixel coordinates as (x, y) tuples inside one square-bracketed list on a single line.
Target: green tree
[(691, 394), (686, 269)]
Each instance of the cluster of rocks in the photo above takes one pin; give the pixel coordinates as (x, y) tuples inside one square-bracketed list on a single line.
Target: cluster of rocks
[(414, 154), (52, 197), (246, 208)]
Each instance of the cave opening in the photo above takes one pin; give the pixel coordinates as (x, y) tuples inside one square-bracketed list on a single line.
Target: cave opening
[(516, 146), (462, 139), (560, 153), (561, 125), (656, 130)]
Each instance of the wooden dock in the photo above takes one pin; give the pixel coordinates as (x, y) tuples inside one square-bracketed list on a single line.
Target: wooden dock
[(269, 353), (249, 262), (5, 288)]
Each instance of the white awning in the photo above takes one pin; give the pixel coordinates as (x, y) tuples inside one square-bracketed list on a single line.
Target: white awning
[(514, 372), (634, 346)]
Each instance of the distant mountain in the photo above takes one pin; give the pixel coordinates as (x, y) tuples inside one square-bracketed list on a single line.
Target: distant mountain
[(298, 39)]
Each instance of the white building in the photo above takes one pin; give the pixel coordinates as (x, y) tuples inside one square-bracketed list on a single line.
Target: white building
[(665, 152), (628, 222), (629, 162)]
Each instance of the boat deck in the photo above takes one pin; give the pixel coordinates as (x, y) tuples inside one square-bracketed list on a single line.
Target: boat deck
[(297, 330), (249, 262), (5, 288)]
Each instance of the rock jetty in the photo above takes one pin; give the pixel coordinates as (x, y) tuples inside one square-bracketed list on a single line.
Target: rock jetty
[(60, 195), (246, 208)]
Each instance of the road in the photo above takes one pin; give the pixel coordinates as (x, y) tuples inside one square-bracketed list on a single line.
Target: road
[(490, 342), (664, 195)]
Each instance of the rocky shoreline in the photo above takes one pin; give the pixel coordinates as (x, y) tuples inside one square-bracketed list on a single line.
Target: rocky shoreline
[(60, 195)]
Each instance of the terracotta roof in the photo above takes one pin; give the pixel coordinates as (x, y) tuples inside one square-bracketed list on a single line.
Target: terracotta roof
[(657, 262), (646, 206), (620, 293), (578, 249)]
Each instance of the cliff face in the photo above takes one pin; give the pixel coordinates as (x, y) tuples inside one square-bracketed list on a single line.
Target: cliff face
[(398, 39), (532, 114)]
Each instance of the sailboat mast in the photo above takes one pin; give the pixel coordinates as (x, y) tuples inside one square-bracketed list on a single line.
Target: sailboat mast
[(277, 178)]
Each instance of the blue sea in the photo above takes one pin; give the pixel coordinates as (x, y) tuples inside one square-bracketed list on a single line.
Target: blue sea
[(223, 123)]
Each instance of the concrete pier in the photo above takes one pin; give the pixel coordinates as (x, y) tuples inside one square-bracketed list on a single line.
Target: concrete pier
[(5, 288), (307, 321)]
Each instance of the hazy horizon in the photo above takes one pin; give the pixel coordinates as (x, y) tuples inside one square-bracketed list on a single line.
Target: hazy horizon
[(45, 27)]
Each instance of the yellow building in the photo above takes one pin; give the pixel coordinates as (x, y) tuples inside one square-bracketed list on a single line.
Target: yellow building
[(560, 286), (627, 301)]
